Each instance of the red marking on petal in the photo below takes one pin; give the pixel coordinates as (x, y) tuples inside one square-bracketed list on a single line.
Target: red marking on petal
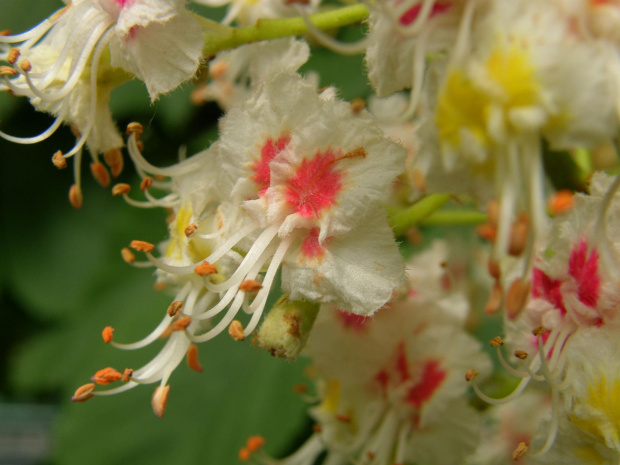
[(432, 377), (124, 3), (383, 378), (547, 288), (402, 365), (585, 271), (353, 321), (132, 33), (412, 13), (314, 186), (260, 166)]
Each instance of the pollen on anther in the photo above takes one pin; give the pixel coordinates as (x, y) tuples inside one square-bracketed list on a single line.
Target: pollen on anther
[(160, 399), (182, 323), (191, 229), (175, 307), (244, 454), (560, 202), (100, 173), (106, 376), (471, 374), (8, 71), (142, 246), (107, 334), (128, 255), (13, 55), (205, 268), (114, 159), (255, 442), (146, 183), (192, 358), (539, 330), (517, 297), (250, 286), (496, 342), (236, 331), (59, 161), (75, 196), (83, 393)]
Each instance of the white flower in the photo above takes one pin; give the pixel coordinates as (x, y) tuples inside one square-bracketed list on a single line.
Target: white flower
[(63, 67)]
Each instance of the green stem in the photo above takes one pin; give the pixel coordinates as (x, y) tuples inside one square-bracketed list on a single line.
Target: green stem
[(401, 221), (219, 37), (454, 217)]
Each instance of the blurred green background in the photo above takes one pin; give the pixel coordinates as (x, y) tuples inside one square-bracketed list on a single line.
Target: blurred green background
[(62, 280)]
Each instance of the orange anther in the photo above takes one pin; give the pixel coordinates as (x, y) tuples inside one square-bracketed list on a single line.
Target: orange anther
[(236, 331), (128, 255), (370, 454), (317, 428), (7, 71), (205, 268), (255, 442), (516, 297), (127, 374), (250, 286), (496, 342), (13, 55), (114, 159), (244, 454), (217, 70), (106, 376), (300, 389), (521, 354), (142, 246), (146, 183), (159, 286), (487, 232), (494, 304), (493, 213), (140, 145), (192, 358), (191, 229), (521, 449), (160, 399), (5, 32), (107, 334), (471, 374), (539, 330), (121, 189), (59, 161), (75, 196), (83, 393), (135, 128), (175, 307), (25, 65), (182, 323), (494, 269), (167, 332), (518, 236), (561, 202), (343, 418), (358, 105), (100, 173)]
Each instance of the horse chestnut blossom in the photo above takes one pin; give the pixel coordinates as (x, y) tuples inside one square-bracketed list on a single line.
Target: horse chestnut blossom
[(294, 182), (68, 65), (392, 387)]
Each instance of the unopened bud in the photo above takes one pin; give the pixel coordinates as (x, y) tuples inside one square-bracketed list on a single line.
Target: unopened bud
[(286, 328)]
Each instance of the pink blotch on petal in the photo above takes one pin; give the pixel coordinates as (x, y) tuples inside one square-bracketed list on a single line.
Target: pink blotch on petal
[(310, 246), (353, 321), (547, 288), (124, 3), (584, 269), (412, 13), (432, 377), (314, 186), (260, 166)]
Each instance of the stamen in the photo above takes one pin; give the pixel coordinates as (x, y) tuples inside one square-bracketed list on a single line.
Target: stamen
[(83, 393), (516, 298), (135, 128), (142, 246), (25, 65), (160, 399), (114, 159), (121, 189), (561, 202), (521, 449), (59, 161), (205, 269), (8, 71), (36, 139), (471, 374), (106, 376), (100, 173), (107, 334), (496, 342), (182, 323), (494, 303), (13, 55), (255, 442), (518, 236), (494, 269), (191, 229), (521, 354), (175, 307), (236, 331), (250, 285), (75, 196), (192, 358), (146, 183), (128, 255), (127, 375)]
